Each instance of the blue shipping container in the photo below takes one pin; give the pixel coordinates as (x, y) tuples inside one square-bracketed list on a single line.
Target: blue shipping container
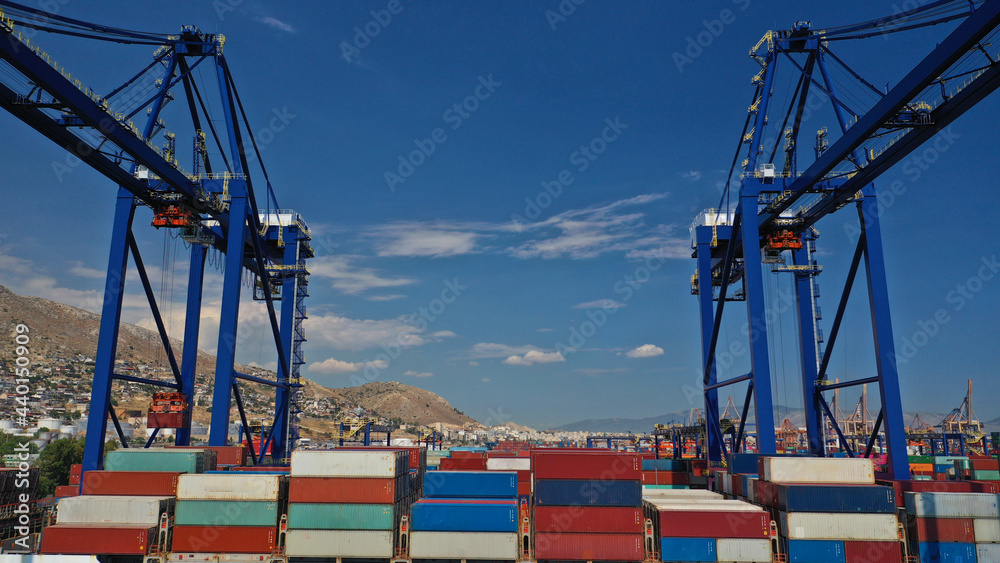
[(663, 465), (464, 517), (816, 551), (584, 492), (688, 549), (946, 552), (836, 498), (471, 484), (944, 468), (746, 464)]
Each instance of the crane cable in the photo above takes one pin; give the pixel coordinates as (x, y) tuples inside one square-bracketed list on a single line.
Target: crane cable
[(50, 22)]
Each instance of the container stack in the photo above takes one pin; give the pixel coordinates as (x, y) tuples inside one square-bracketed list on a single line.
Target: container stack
[(466, 515), (830, 509), (954, 526), (418, 463), (228, 512), (588, 506), (106, 525), (513, 462), (178, 460), (347, 503), (978, 469), (462, 460), (665, 474), (698, 525)]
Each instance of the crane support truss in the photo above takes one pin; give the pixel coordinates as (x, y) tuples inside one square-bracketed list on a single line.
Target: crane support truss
[(271, 244), (776, 207)]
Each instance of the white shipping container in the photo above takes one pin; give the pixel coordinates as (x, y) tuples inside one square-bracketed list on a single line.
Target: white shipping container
[(743, 550), (953, 505), (830, 526), (987, 552), (232, 486), (987, 530), (463, 545), (656, 494), (705, 504), (99, 509), (748, 489), (339, 543), (818, 470), (508, 464), (348, 463)]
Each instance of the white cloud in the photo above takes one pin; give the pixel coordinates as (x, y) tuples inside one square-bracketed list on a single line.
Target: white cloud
[(435, 240), (693, 175), (390, 297), (474, 364), (645, 351), (332, 366), (494, 350), (486, 380), (412, 373), (277, 24), (535, 357), (443, 334), (82, 271), (351, 279), (600, 304), (342, 333)]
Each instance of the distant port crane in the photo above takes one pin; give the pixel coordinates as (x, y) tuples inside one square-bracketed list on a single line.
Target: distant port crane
[(784, 193)]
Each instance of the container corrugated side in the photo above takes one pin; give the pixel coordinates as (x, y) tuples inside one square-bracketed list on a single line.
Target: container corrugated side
[(347, 490), (94, 509), (225, 486), (156, 459), (987, 552), (743, 550), (817, 470), (226, 513), (339, 543), (663, 465), (470, 484), (445, 517), (659, 493), (948, 552), (695, 523), (106, 539), (588, 493), (953, 505), (342, 516), (589, 519), (463, 545), (829, 526), (688, 549), (941, 529), (131, 483), (816, 551), (987, 530), (589, 547), (218, 539), (508, 464), (349, 463), (585, 465), (873, 551), (836, 498)]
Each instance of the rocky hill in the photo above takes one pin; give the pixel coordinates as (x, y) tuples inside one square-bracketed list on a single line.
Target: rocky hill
[(63, 335)]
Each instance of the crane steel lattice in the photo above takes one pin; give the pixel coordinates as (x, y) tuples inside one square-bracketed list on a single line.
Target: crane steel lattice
[(778, 205), (214, 208)]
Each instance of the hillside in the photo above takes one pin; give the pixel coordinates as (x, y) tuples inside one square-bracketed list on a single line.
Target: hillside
[(64, 337)]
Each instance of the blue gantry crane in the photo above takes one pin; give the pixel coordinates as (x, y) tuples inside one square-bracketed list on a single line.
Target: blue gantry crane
[(214, 208), (778, 205)]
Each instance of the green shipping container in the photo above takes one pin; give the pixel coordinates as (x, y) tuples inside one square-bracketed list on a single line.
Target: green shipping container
[(921, 459), (140, 459), (985, 475), (341, 516), (225, 513), (666, 486)]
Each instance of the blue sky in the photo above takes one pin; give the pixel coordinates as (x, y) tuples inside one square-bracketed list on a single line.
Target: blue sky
[(557, 197)]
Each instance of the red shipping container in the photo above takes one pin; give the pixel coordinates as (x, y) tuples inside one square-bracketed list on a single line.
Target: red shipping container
[(468, 455), (219, 539), (589, 547), (586, 465), (524, 488), (665, 478), (873, 552), (106, 539), (63, 491), (714, 524), (985, 464), (76, 469), (588, 519), (765, 493), (225, 455), (346, 490), (166, 419), (131, 483), (463, 464), (941, 530), (275, 468), (74, 479)]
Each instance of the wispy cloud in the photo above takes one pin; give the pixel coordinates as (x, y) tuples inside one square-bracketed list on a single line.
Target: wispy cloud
[(351, 279), (82, 271), (426, 239), (535, 357), (334, 366), (484, 350), (645, 351), (693, 175), (600, 304), (412, 373), (277, 24), (342, 333)]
